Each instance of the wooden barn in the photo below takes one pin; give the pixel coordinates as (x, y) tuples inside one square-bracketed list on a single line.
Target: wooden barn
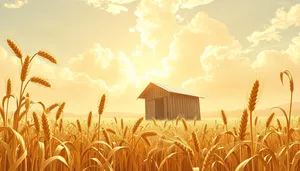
[(165, 102)]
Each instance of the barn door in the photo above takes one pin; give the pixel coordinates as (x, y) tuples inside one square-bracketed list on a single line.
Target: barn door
[(159, 108), (150, 107)]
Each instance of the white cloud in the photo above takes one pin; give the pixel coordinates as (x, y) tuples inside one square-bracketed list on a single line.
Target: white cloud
[(114, 68), (96, 71), (189, 4), (282, 21), (17, 4), (229, 77), (115, 9), (112, 6)]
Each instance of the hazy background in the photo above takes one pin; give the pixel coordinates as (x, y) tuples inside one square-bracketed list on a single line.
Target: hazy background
[(214, 48)]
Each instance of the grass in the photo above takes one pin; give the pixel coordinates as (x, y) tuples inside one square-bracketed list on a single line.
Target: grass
[(46, 140)]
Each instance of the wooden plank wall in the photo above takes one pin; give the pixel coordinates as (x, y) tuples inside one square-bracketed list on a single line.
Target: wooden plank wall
[(156, 93), (150, 109), (186, 106), (165, 108)]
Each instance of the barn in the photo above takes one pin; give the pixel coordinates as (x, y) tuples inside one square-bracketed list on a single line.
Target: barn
[(165, 102)]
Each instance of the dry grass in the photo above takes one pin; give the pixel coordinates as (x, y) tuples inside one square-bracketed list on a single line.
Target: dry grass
[(43, 144)]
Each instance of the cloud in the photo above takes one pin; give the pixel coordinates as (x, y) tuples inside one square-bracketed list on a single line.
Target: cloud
[(112, 6), (230, 75), (282, 21), (17, 4), (157, 23), (189, 44), (114, 68), (189, 4), (96, 71)]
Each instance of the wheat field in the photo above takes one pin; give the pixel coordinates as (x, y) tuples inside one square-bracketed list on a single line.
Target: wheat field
[(32, 141)]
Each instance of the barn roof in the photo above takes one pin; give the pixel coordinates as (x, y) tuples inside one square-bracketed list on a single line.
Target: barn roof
[(170, 89)]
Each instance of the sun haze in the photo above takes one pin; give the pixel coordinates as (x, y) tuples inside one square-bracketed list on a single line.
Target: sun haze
[(213, 48)]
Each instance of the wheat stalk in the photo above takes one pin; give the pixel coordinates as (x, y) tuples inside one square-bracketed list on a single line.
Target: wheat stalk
[(279, 124), (165, 123), (125, 131), (177, 120), (60, 111), (89, 121), (102, 104), (111, 131), (60, 125), (184, 147), (2, 114), (255, 121), (251, 108), (8, 87), (154, 122), (291, 81), (269, 120), (196, 142), (36, 123), (147, 141), (137, 124), (46, 127), (47, 56), (40, 81), (100, 111), (243, 125), (209, 158), (14, 48), (122, 124), (106, 137), (25, 68), (78, 125), (51, 107), (148, 134), (116, 121), (184, 124)]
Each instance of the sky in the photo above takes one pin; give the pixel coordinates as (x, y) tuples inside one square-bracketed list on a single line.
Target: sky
[(213, 48)]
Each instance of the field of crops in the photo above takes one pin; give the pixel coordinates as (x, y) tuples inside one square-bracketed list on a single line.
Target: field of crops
[(32, 141)]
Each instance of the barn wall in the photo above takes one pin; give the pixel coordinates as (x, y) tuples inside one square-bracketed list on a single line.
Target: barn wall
[(186, 106), (156, 92), (150, 109)]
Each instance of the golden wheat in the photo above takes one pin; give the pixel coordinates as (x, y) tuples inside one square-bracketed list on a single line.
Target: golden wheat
[(102, 104), (137, 124), (36, 122), (47, 56), (14, 48), (40, 81), (174, 146), (60, 111), (208, 158), (184, 124), (25, 67), (196, 142), (89, 121), (51, 107), (243, 125), (184, 147), (8, 87), (111, 131), (224, 117), (78, 125), (269, 120), (46, 127)]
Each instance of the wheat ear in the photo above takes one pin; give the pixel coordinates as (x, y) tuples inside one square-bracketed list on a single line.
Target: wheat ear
[(137, 124), (14, 48), (243, 125), (47, 56), (40, 81)]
